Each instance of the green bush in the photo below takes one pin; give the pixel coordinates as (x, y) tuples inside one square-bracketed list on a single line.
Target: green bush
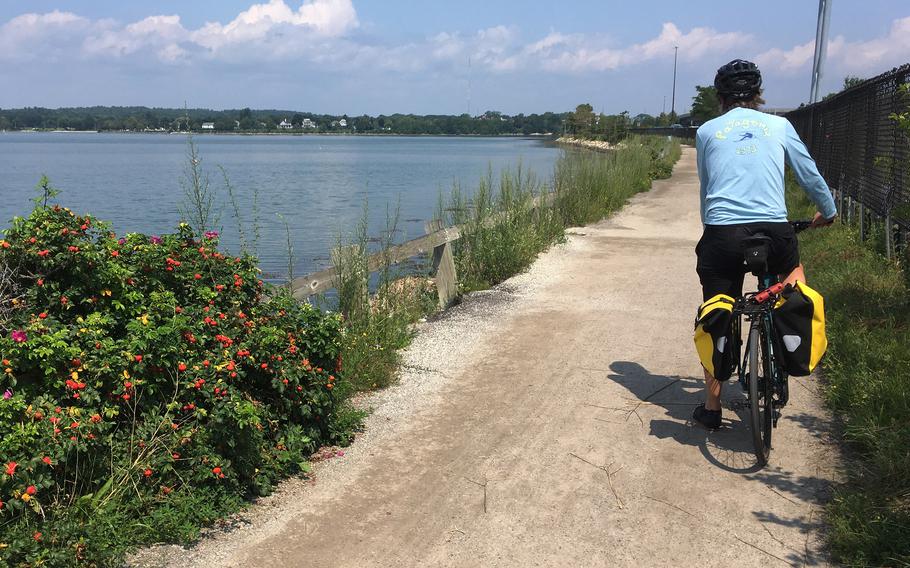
[(148, 383)]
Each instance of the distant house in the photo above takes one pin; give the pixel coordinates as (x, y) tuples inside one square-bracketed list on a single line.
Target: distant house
[(307, 123), (343, 123), (208, 126), (285, 125)]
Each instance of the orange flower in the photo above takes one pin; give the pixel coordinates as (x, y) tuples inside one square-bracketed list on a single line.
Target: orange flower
[(37, 536), (147, 472), (47, 460), (31, 490), (11, 468), (181, 367), (42, 315), (115, 253)]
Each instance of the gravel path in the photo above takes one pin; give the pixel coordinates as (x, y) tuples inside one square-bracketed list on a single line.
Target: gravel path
[(545, 423)]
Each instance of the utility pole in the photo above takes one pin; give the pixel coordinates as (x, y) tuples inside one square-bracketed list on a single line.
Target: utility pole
[(673, 99), (469, 85), (821, 47)]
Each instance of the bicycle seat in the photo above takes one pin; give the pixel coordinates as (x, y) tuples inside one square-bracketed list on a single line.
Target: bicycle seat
[(755, 253)]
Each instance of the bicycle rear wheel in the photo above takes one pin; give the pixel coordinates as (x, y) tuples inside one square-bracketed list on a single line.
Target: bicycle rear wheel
[(760, 395)]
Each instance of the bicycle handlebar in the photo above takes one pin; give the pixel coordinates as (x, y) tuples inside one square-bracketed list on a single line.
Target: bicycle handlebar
[(802, 225)]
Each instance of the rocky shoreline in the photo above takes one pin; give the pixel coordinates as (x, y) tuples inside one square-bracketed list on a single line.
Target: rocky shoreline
[(599, 145)]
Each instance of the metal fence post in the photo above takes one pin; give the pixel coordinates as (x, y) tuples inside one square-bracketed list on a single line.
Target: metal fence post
[(889, 236), (443, 267), (840, 206)]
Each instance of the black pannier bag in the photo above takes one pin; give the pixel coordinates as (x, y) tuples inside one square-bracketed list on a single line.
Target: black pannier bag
[(799, 317)]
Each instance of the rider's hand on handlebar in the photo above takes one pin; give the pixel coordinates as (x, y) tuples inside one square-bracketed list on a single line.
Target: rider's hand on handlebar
[(820, 221)]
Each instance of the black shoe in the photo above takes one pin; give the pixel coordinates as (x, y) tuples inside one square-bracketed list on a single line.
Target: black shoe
[(710, 419)]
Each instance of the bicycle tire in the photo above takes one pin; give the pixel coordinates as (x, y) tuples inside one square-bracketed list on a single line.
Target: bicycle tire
[(760, 399)]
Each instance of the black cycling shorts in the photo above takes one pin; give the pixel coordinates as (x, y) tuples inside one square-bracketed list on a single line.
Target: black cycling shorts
[(721, 268)]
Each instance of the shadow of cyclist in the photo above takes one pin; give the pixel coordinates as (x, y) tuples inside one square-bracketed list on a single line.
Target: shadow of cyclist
[(729, 448)]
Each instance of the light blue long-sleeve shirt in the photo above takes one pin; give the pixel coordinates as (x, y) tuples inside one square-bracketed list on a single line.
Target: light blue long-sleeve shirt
[(741, 157)]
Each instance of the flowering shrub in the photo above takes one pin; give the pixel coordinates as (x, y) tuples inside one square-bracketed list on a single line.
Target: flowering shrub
[(140, 374)]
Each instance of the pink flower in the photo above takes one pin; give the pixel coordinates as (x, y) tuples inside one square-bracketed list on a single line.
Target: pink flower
[(155, 240), (19, 336), (211, 234), (7, 394)]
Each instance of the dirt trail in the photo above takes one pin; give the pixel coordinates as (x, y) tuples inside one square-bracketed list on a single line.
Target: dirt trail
[(546, 423)]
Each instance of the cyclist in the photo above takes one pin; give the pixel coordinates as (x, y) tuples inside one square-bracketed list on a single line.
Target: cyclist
[(741, 157)]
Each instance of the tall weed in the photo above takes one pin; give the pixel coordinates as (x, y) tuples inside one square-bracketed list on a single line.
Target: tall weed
[(503, 227), (376, 326)]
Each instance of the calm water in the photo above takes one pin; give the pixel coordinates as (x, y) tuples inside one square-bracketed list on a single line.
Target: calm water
[(317, 183)]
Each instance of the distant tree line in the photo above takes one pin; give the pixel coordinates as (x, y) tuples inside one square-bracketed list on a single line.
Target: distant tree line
[(585, 123), (138, 119)]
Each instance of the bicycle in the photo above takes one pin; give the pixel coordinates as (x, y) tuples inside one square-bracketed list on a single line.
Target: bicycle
[(760, 370)]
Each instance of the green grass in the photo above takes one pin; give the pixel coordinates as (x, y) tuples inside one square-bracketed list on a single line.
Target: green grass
[(502, 232), (377, 326), (504, 226), (867, 386), (502, 229), (592, 185)]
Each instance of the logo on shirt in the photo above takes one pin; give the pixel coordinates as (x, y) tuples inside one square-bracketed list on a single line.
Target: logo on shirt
[(746, 136)]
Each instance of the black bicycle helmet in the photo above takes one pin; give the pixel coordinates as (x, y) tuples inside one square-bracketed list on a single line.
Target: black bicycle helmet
[(739, 79)]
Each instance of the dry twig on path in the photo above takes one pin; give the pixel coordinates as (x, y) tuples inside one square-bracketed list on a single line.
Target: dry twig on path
[(678, 508), (484, 485), (610, 474), (782, 496), (760, 549)]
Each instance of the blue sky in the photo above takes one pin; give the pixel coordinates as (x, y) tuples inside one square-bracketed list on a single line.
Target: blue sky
[(385, 56)]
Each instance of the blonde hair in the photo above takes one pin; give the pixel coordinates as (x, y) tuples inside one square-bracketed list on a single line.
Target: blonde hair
[(753, 102)]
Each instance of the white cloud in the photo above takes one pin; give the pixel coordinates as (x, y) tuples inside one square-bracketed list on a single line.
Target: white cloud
[(327, 18), (578, 53), (318, 31), (26, 37), (791, 60), (863, 57), (161, 33), (268, 29)]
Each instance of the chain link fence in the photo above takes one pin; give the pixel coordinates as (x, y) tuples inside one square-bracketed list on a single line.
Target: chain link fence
[(687, 133), (861, 150)]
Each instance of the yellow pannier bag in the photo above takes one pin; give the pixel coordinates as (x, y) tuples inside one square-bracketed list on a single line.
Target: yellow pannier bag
[(799, 317), (714, 336)]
